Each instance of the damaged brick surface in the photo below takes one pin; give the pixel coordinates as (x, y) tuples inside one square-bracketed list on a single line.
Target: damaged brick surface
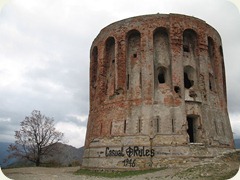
[(157, 91)]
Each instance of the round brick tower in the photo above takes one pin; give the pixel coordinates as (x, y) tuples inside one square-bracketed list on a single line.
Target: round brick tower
[(157, 91)]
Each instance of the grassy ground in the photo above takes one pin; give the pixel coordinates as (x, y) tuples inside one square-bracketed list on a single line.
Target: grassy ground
[(115, 174), (212, 171)]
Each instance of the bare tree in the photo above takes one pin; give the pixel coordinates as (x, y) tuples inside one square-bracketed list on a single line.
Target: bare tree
[(36, 138)]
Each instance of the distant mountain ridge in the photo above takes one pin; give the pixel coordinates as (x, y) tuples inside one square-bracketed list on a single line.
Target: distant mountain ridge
[(237, 143), (4, 153), (66, 155)]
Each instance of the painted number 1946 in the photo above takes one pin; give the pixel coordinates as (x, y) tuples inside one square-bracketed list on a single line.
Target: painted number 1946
[(129, 162)]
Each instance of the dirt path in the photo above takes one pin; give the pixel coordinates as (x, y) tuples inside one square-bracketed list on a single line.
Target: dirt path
[(41, 173), (66, 173)]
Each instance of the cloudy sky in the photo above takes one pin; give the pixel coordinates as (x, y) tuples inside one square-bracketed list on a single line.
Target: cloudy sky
[(44, 55)]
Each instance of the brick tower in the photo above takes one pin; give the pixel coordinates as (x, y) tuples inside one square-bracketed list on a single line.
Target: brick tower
[(157, 92)]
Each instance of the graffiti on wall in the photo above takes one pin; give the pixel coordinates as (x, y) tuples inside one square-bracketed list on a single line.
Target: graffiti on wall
[(130, 152)]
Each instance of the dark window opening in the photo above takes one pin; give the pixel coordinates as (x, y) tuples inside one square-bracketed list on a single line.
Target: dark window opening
[(161, 76), (187, 82), (134, 55), (177, 89), (186, 48), (113, 61), (127, 81), (190, 129)]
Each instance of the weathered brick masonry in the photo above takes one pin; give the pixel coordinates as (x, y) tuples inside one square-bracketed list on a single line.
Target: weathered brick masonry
[(157, 93)]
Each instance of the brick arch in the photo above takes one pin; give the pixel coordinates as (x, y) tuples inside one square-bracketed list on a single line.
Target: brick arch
[(133, 64), (109, 61)]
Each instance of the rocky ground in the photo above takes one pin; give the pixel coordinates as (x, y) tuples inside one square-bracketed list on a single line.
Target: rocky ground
[(222, 167)]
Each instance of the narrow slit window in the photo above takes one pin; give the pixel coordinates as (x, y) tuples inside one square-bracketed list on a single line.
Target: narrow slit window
[(158, 124), (140, 79), (139, 125), (111, 128), (125, 126), (101, 129), (173, 128), (128, 81)]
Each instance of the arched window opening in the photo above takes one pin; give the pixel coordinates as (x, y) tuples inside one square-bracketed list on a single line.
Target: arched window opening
[(189, 77), (189, 40), (133, 64), (187, 82), (110, 50), (162, 75), (133, 38), (109, 61), (210, 47)]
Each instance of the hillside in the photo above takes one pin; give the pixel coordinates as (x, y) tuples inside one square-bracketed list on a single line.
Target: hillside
[(65, 155), (237, 143), (4, 154)]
